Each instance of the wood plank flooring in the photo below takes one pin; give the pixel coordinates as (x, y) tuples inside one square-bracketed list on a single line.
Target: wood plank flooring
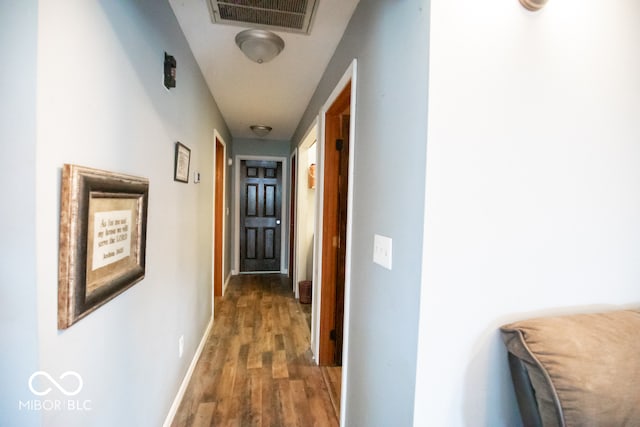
[(333, 379), (256, 367)]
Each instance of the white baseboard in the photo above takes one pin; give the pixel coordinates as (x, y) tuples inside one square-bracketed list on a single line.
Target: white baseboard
[(185, 382), (226, 283)]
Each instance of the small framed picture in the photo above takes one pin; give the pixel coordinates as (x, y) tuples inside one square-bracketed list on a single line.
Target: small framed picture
[(183, 158), (103, 229)]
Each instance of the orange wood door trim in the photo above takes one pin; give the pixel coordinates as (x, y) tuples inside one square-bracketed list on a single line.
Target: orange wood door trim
[(218, 216), (330, 225)]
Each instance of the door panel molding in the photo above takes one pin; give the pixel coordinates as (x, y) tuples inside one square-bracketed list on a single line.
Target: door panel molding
[(260, 210), (284, 217)]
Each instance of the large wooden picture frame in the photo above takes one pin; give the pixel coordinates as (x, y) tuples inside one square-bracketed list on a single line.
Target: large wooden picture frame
[(103, 227)]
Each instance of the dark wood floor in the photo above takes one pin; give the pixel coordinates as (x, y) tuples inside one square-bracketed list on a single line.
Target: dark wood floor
[(256, 367)]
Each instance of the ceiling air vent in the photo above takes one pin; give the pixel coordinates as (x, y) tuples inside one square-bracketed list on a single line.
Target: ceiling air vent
[(281, 15)]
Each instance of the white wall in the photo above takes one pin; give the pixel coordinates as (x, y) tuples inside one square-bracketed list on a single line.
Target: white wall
[(533, 187), (101, 103), (305, 225), (306, 208), (18, 320), (309, 200)]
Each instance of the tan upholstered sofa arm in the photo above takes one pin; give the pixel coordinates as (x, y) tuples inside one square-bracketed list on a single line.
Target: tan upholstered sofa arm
[(584, 369)]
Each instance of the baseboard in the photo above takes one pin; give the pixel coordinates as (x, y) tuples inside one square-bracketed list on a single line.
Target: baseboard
[(226, 283), (185, 382)]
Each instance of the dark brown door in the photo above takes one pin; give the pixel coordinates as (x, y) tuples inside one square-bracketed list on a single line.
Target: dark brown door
[(260, 207)]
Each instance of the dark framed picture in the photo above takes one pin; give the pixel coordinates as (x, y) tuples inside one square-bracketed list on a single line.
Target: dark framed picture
[(183, 158), (103, 229)]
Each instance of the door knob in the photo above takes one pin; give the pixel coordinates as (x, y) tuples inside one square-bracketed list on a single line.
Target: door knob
[(277, 222)]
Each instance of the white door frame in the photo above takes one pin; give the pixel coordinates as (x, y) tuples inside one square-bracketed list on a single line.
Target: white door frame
[(284, 224), (293, 198)]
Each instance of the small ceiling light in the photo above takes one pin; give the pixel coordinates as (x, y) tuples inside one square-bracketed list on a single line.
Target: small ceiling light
[(259, 45), (533, 5), (261, 130)]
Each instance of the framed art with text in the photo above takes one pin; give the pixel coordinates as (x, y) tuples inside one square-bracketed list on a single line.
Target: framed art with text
[(103, 227)]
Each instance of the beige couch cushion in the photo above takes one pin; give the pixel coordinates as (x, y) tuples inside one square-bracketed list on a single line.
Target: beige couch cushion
[(585, 368)]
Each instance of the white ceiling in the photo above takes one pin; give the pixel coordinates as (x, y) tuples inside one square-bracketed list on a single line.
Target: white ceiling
[(274, 93)]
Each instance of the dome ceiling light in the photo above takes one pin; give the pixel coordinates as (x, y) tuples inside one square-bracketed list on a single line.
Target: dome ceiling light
[(261, 130), (259, 45), (533, 5)]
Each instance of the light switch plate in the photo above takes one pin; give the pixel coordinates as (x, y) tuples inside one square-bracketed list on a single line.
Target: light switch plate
[(382, 251)]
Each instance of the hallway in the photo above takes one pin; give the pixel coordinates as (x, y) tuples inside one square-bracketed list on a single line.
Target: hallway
[(256, 367)]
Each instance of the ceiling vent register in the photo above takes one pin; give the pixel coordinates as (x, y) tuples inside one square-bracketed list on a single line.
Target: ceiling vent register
[(280, 15)]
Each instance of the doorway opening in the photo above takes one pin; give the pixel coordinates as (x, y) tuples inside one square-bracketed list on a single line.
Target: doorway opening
[(305, 212), (260, 219), (219, 169), (334, 225), (334, 238)]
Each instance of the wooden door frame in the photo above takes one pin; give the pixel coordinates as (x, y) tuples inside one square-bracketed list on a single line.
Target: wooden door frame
[(218, 239), (218, 217), (350, 76), (332, 221), (284, 224)]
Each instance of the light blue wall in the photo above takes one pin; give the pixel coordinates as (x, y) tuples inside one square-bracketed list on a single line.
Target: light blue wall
[(101, 103), (18, 308), (390, 41), (261, 147)]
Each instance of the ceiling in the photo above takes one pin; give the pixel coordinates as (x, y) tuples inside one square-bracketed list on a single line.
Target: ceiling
[(275, 93)]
